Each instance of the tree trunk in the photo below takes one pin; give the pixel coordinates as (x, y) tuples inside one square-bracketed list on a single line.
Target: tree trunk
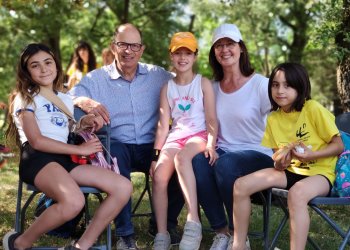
[(343, 84), (343, 71)]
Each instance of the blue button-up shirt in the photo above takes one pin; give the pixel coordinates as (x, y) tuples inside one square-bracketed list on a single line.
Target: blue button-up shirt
[(133, 106)]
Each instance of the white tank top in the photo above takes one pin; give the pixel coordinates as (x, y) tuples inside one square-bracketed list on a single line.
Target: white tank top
[(187, 110)]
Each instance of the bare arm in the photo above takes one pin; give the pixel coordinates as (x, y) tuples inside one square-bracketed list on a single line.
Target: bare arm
[(163, 123), (90, 106), (211, 120), (45, 144), (164, 117)]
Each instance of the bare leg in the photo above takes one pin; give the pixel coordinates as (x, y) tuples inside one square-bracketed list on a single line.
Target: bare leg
[(183, 165), (244, 187), (298, 197), (163, 172), (54, 181), (118, 190)]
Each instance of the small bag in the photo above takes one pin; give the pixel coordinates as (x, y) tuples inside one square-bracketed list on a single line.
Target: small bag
[(342, 169), (98, 159)]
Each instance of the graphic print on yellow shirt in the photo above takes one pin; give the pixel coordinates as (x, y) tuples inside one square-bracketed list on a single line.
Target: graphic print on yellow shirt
[(314, 126)]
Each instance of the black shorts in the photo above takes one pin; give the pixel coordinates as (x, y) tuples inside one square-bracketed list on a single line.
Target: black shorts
[(32, 161), (293, 178)]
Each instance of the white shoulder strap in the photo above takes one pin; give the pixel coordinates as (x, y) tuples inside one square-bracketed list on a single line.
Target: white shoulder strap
[(52, 97)]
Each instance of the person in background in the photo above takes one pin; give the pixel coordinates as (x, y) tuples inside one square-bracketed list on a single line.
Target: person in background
[(41, 130), (306, 143), (82, 62), (242, 105), (107, 56), (188, 100), (126, 94)]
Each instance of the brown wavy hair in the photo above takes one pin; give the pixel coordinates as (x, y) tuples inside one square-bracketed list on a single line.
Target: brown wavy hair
[(26, 87)]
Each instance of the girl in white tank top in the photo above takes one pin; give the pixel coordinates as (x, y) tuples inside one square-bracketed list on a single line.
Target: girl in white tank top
[(188, 101)]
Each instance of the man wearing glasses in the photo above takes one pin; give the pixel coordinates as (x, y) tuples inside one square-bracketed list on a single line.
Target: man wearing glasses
[(126, 94)]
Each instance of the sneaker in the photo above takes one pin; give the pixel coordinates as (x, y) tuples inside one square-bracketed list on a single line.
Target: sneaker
[(162, 241), (174, 233), (220, 242), (229, 246), (192, 236), (126, 243), (8, 241)]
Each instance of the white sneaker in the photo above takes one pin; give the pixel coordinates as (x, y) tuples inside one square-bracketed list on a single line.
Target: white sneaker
[(230, 243), (162, 241), (220, 242), (192, 236)]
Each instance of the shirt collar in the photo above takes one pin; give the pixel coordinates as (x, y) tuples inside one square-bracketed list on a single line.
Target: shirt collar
[(114, 73)]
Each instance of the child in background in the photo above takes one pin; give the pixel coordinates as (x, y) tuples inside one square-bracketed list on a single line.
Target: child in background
[(306, 142), (189, 101), (107, 56), (45, 162)]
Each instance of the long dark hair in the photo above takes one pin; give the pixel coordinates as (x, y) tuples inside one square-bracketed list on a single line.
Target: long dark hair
[(79, 63), (297, 78), (244, 63), (26, 86)]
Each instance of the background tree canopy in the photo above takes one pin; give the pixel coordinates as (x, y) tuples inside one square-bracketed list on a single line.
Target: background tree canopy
[(313, 32)]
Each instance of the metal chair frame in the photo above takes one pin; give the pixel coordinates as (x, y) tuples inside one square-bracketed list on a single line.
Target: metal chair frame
[(146, 189)]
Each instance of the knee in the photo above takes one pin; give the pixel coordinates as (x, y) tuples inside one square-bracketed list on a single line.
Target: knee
[(296, 197), (181, 160), (124, 190), (71, 205), (121, 183), (159, 181), (240, 188)]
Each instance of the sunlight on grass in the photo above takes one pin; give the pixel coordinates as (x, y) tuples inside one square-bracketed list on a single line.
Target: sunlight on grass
[(319, 230)]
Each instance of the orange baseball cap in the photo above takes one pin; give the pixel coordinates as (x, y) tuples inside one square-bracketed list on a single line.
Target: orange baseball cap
[(183, 39)]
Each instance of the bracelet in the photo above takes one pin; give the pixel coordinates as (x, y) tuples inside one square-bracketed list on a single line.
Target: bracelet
[(155, 154)]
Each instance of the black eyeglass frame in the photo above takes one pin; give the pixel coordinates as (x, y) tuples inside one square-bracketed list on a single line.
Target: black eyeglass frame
[(136, 47)]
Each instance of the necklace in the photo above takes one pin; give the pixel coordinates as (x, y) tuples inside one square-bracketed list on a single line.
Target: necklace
[(184, 100)]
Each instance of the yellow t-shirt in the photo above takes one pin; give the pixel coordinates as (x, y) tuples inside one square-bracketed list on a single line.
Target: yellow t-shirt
[(314, 126)]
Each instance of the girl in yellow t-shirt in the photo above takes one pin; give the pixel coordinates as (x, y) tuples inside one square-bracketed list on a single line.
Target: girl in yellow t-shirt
[(306, 143)]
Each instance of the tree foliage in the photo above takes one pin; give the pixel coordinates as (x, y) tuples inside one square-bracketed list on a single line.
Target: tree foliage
[(313, 32)]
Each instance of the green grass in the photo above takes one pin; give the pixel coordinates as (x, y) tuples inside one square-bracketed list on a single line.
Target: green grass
[(319, 230)]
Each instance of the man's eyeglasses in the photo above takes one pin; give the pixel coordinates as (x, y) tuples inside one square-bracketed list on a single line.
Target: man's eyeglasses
[(136, 47)]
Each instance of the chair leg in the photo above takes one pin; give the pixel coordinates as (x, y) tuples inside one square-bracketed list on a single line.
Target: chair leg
[(24, 209), (147, 188), (282, 223), (333, 224), (18, 207), (266, 219)]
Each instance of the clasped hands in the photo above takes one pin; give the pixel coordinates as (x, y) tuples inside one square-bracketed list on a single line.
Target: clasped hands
[(295, 150)]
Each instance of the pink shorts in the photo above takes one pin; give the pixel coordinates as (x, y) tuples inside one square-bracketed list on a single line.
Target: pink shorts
[(180, 143)]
